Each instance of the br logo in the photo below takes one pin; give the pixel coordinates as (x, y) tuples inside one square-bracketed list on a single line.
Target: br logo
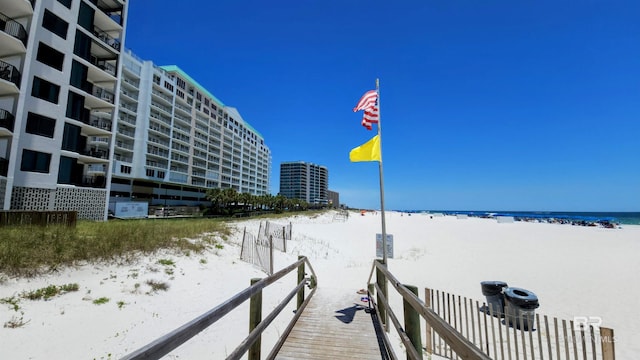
[(583, 322)]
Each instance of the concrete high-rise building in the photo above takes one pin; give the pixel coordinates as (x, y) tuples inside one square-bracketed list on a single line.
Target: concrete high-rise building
[(59, 75), (84, 123), (304, 181), (175, 139)]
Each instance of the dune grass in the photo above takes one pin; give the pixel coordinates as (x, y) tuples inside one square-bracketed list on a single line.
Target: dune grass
[(31, 250)]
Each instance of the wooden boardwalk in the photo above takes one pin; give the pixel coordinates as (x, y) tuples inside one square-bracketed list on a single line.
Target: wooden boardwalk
[(335, 325)]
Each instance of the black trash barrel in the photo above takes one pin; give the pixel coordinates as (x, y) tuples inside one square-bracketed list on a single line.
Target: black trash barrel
[(520, 308), (492, 290)]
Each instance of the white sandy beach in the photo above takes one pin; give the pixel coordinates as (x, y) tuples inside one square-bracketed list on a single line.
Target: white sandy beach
[(574, 271)]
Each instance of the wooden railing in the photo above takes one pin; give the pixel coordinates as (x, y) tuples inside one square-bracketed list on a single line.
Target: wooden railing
[(458, 327), (251, 343), (515, 337), (413, 309)]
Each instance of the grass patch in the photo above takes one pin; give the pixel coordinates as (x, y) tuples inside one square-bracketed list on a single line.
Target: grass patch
[(157, 285), (100, 301), (32, 250), (16, 322), (13, 302), (49, 291), (166, 262)]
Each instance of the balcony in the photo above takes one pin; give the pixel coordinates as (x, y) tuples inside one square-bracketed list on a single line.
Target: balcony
[(11, 31), (167, 99), (102, 93), (95, 153), (131, 134), (111, 8), (124, 145), (106, 38), (7, 121), (128, 119), (98, 181), (104, 64), (132, 82), (9, 79), (97, 168), (130, 107), (186, 109), (100, 123)]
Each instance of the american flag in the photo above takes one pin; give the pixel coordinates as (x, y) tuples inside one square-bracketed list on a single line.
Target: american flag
[(370, 116), (369, 103)]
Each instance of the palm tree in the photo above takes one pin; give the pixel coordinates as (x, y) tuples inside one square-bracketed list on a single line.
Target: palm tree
[(215, 196), (280, 202), (229, 196), (245, 199)]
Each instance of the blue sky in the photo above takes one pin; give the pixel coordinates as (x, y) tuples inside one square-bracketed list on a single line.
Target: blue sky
[(485, 105)]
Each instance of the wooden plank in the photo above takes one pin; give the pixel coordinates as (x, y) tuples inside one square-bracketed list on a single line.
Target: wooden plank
[(335, 325), (607, 341)]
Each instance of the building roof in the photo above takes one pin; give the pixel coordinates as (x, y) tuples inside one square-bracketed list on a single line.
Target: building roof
[(176, 69)]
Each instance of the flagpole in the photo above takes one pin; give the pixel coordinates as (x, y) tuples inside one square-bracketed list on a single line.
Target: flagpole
[(384, 226)]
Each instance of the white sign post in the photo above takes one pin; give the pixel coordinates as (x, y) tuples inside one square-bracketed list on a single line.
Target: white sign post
[(389, 246)]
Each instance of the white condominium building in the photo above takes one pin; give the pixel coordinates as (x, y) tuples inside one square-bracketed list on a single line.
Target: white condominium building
[(84, 124), (174, 140), (59, 62)]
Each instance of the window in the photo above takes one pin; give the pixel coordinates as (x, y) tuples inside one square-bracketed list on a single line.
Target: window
[(50, 56), (54, 24), (79, 77), (75, 107), (69, 171), (35, 161), (125, 169), (71, 138), (181, 83), (160, 174), (40, 125), (66, 3), (82, 46), (85, 16), (45, 90), (150, 172), (168, 86)]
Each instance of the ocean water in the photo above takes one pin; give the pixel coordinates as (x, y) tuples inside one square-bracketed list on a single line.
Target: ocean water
[(628, 218)]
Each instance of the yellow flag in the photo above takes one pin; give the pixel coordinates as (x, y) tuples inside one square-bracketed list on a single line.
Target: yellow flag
[(369, 151)]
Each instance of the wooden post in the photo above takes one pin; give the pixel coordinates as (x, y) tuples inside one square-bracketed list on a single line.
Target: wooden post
[(284, 240), (607, 341), (381, 279), (427, 328), (255, 317), (244, 234), (300, 278), (412, 323), (270, 255)]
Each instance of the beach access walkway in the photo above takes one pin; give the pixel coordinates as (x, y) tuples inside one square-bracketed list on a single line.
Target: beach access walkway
[(336, 324)]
